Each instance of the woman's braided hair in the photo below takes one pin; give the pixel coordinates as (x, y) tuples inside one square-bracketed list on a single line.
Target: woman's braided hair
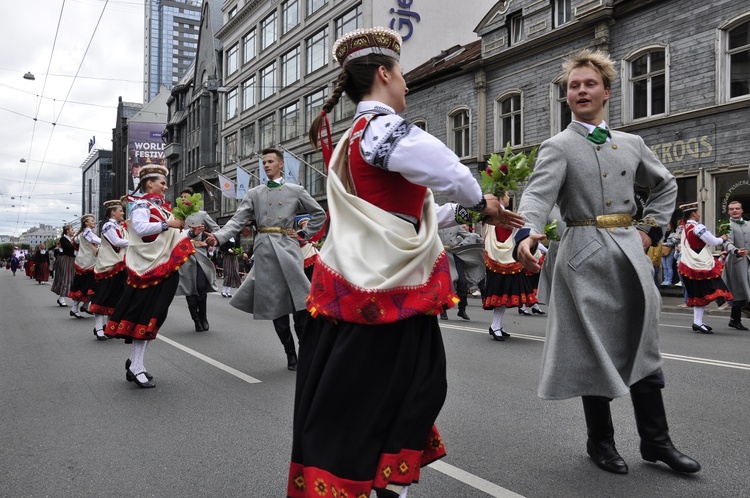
[(356, 79)]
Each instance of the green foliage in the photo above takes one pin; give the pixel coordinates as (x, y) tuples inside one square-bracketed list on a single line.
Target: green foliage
[(504, 172), (193, 204), (723, 228), (550, 231)]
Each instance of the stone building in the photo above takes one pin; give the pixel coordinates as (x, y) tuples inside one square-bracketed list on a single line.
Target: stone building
[(683, 85)]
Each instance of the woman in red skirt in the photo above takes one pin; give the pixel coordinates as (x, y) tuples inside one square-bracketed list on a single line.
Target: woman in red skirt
[(87, 244), (157, 248), (41, 264)]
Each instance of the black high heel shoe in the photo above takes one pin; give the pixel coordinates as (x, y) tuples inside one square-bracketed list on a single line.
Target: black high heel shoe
[(86, 310), (133, 377), (100, 337), (129, 375), (77, 315), (702, 328), (62, 305), (524, 312), (537, 311), (500, 337)]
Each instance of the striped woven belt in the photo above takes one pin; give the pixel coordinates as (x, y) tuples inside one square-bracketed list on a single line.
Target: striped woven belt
[(279, 230), (604, 221)]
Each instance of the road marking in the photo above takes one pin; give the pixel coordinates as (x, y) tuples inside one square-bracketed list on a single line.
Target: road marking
[(475, 482), (210, 361), (676, 357)]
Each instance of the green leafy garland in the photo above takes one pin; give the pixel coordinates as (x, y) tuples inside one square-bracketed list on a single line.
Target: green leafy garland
[(192, 205), (504, 172)]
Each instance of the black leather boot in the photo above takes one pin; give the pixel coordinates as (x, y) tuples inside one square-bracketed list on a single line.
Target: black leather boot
[(462, 309), (192, 302), (601, 442), (651, 419), (202, 310), (281, 325)]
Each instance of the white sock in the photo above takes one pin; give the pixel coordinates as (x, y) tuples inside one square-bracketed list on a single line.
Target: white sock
[(75, 306), (523, 307), (61, 299), (535, 307), (497, 318), (136, 359), (698, 315), (99, 324)]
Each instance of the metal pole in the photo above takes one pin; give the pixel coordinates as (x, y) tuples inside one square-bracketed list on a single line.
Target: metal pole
[(303, 161)]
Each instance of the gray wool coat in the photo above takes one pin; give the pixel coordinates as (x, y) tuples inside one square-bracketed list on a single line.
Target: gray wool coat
[(200, 259), (276, 285), (603, 319), (737, 271)]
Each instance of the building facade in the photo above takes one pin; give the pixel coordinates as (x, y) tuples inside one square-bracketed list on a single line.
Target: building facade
[(683, 85), (97, 182), (36, 235), (170, 42)]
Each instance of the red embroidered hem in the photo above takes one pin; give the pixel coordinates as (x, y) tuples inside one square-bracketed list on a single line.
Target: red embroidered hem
[(100, 310), (402, 468), (79, 296), (495, 267), (491, 302), (705, 300), (83, 271), (335, 298), (694, 274), (111, 272), (125, 329), (180, 253), (311, 261)]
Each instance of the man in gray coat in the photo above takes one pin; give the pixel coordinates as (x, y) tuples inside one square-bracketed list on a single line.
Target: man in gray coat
[(198, 274), (737, 271), (602, 332), (276, 285)]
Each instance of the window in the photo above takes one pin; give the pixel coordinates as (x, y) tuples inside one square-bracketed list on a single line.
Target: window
[(421, 124), (290, 67), (561, 12), (248, 93), (266, 130), (233, 58), (232, 103), (313, 104), (268, 81), (289, 121), (349, 21), (345, 109), (561, 114), (459, 132), (247, 140), (648, 84), (509, 116), (314, 5), (315, 183), (734, 60), (268, 31), (230, 149), (317, 50), (289, 15), (248, 45), (233, 12), (515, 26)]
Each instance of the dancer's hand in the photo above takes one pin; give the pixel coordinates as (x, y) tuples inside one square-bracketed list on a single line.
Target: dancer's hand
[(525, 256)]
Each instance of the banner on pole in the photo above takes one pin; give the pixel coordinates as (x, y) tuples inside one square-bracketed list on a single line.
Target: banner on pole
[(228, 188), (262, 174), (291, 168), (243, 182)]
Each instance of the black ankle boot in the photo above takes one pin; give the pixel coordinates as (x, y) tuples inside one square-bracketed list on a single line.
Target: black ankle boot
[(656, 445), (192, 302), (601, 442), (202, 311)]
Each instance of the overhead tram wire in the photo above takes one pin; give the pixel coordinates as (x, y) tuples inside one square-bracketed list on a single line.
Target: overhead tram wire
[(104, 8), (36, 115)]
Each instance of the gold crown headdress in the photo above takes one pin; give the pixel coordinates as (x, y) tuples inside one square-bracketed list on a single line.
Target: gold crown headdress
[(362, 42)]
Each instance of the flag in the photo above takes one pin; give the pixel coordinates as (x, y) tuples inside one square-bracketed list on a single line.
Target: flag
[(227, 187), (291, 168), (261, 173), (209, 188), (243, 182)]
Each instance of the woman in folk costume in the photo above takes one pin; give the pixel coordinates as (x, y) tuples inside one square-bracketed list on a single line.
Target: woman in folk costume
[(109, 270), (28, 266), (87, 244), (65, 269), (156, 249), (506, 285), (231, 265), (380, 283), (41, 264), (701, 272)]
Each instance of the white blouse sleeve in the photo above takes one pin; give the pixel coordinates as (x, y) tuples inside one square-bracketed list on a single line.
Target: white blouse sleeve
[(702, 232), (89, 235), (391, 143), (109, 233), (140, 217)]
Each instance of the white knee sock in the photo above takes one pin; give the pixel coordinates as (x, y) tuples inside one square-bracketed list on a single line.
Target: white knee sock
[(99, 324), (698, 315), (497, 318), (75, 306), (61, 299), (535, 307), (136, 359)]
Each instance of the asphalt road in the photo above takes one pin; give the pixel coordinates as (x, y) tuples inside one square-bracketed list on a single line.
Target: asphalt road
[(71, 426)]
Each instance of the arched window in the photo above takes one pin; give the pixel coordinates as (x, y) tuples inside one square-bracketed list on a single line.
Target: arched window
[(646, 92), (508, 120), (734, 59), (459, 132)]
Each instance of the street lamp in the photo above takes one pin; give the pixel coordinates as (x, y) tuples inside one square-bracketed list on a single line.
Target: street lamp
[(29, 76)]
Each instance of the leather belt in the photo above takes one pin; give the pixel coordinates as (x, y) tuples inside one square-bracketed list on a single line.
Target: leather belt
[(279, 230), (604, 221)]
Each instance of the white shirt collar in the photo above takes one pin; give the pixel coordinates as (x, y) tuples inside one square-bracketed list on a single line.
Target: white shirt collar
[(373, 106), (591, 127)]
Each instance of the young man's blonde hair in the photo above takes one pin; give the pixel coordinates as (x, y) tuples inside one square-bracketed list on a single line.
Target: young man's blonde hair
[(598, 61)]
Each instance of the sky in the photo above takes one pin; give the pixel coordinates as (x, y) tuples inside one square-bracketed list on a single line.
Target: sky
[(80, 69)]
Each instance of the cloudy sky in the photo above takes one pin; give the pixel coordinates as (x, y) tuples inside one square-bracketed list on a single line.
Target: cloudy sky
[(81, 69)]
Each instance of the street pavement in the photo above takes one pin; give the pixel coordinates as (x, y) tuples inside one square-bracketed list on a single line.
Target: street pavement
[(218, 424)]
